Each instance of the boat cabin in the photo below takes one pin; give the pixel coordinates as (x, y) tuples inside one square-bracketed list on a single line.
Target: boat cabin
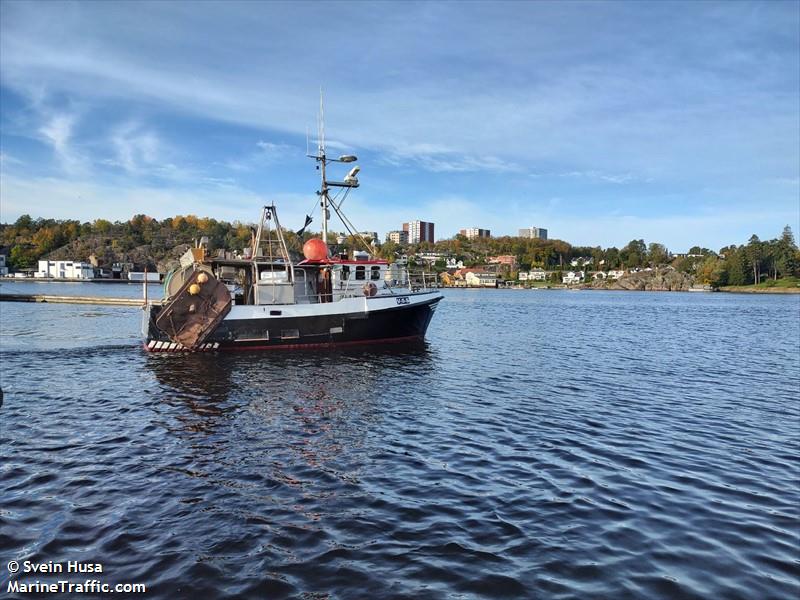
[(309, 282), (333, 279)]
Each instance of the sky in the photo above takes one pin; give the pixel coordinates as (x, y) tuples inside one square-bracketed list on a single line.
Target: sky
[(603, 122)]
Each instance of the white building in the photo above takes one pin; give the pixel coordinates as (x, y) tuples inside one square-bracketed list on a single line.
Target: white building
[(481, 279), (537, 233), (615, 274), (419, 231), (65, 269), (533, 275), (430, 257), (151, 276), (581, 261), (537, 275), (475, 232), (573, 277)]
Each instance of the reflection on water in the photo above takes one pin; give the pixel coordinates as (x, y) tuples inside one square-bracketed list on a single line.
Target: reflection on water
[(540, 445)]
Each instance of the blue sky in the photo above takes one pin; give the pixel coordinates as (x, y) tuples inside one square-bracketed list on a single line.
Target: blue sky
[(602, 122)]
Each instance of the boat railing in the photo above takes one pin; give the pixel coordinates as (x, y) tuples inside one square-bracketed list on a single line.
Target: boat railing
[(414, 280)]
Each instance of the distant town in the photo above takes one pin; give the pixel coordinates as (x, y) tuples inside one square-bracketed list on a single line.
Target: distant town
[(144, 248), (415, 232)]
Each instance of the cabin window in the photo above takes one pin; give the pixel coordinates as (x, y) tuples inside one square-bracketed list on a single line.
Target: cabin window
[(375, 275), (361, 273), (345, 273), (289, 334)]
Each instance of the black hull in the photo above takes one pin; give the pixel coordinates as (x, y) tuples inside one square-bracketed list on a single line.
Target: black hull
[(399, 324)]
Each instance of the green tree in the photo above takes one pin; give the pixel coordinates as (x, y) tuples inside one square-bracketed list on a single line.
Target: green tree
[(21, 257), (736, 267), (634, 254), (755, 255), (657, 254), (611, 256), (24, 223), (787, 259)]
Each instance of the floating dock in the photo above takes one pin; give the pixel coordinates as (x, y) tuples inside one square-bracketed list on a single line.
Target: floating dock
[(101, 300)]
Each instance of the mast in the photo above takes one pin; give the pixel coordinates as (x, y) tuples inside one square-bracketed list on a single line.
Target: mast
[(350, 180), (323, 201)]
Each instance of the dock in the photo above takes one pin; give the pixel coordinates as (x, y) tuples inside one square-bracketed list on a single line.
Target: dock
[(100, 300)]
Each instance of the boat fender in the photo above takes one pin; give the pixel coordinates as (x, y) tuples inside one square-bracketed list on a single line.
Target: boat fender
[(370, 289)]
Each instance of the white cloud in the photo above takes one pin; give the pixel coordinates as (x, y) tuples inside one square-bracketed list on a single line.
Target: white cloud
[(135, 147), (57, 132), (86, 200), (793, 181), (618, 178), (6, 160), (602, 93), (271, 148), (267, 153), (441, 162), (564, 108)]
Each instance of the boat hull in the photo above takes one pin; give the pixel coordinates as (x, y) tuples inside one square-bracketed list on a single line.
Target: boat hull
[(355, 321)]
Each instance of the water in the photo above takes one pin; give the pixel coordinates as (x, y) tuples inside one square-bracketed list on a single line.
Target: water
[(542, 444)]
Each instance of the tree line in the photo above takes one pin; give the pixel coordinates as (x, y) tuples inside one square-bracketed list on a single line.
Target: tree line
[(732, 265), (27, 240)]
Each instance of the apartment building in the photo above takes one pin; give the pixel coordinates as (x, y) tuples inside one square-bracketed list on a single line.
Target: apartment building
[(537, 233), (419, 231), (475, 232)]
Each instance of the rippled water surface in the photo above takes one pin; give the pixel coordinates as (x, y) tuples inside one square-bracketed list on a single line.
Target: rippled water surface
[(541, 444)]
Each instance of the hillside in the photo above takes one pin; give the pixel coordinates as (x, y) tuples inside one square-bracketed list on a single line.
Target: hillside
[(147, 242)]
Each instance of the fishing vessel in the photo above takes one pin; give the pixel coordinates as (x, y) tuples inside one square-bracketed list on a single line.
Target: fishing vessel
[(264, 300)]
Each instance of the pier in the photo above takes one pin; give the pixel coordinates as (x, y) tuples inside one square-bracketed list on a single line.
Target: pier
[(101, 300)]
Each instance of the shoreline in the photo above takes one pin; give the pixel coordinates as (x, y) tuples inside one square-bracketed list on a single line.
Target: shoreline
[(65, 280), (745, 289), (726, 290)]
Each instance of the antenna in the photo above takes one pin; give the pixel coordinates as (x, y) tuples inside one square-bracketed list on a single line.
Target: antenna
[(321, 124), (306, 140)]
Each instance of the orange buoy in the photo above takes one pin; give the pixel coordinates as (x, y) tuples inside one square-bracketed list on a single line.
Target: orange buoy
[(315, 249), (194, 289), (202, 278)]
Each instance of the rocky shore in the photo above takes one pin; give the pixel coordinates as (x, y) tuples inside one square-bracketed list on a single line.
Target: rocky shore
[(657, 280)]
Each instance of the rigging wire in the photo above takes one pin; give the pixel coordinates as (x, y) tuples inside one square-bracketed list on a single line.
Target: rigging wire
[(349, 226)]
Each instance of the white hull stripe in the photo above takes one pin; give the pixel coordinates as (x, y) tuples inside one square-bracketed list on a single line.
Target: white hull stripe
[(155, 346)]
